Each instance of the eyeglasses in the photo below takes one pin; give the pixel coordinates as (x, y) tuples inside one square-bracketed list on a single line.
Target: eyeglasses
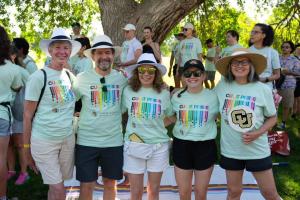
[(236, 63), (104, 87), (285, 47), (185, 29), (149, 70), (256, 32), (188, 74)]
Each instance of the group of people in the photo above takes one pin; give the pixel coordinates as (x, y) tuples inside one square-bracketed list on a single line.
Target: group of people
[(243, 100)]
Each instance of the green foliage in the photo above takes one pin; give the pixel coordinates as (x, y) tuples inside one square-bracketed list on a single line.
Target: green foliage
[(213, 23), (286, 21), (36, 19)]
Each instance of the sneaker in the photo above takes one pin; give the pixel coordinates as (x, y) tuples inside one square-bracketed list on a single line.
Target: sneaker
[(10, 174), (23, 177)]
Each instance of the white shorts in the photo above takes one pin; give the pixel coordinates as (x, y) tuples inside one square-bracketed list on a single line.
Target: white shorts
[(54, 159), (158, 161)]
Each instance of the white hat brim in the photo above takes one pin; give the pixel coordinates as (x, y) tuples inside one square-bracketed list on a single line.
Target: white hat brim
[(44, 45), (88, 52), (129, 70)]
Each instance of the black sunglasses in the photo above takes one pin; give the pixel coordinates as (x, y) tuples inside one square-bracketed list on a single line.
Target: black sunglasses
[(188, 74), (185, 29), (102, 81)]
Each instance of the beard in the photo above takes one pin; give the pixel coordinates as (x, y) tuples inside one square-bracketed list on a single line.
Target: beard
[(104, 64)]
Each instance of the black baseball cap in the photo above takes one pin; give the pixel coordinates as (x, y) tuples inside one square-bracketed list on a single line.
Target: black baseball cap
[(194, 63)]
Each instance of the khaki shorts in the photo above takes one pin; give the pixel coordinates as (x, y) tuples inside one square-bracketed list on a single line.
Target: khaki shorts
[(287, 97), (54, 159)]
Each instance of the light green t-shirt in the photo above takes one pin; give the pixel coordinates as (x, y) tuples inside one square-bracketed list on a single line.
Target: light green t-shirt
[(209, 65), (256, 96), (30, 65), (146, 112), (82, 65), (10, 77), (227, 51), (196, 114), (54, 116), (100, 123), (273, 61), (129, 47), (175, 50), (189, 49)]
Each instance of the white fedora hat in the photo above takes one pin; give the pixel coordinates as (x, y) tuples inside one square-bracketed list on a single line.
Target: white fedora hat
[(59, 34), (102, 42), (146, 59)]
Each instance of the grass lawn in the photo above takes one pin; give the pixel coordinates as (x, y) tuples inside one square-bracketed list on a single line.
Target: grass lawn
[(287, 177)]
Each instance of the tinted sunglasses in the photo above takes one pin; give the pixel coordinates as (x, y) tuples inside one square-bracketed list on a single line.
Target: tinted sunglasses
[(149, 70), (102, 81), (188, 74)]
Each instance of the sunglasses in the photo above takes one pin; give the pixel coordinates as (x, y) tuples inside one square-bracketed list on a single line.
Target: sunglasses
[(185, 29), (149, 70), (188, 74), (236, 63), (102, 81)]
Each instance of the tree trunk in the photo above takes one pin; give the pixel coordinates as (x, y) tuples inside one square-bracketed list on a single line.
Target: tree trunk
[(161, 15)]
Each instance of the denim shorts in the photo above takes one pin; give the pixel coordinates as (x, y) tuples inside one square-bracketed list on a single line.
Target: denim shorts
[(4, 128)]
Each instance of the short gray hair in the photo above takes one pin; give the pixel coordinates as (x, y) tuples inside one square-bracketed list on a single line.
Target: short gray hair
[(252, 76)]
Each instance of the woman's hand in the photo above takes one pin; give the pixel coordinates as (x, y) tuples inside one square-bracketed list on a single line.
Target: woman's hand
[(249, 137)]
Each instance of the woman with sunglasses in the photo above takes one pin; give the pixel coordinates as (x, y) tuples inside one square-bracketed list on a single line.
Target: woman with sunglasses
[(247, 112), (146, 146), (261, 39), (194, 147), (189, 48), (291, 69)]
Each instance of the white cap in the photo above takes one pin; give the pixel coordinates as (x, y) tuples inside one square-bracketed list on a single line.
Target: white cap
[(129, 27), (189, 25)]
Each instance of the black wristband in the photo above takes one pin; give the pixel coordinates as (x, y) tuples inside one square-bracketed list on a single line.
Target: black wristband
[(267, 80)]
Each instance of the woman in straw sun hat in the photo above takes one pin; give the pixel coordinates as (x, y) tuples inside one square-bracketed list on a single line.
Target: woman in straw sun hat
[(247, 112), (146, 145), (48, 115)]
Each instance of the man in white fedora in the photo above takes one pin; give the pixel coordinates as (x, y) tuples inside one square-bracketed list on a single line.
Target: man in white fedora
[(100, 139), (131, 47), (48, 114)]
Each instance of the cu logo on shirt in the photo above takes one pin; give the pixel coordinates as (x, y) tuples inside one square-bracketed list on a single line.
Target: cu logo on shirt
[(241, 118)]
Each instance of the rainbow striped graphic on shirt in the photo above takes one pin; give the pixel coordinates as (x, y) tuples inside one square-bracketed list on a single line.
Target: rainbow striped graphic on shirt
[(145, 108), (105, 99), (60, 92), (232, 101), (193, 115)]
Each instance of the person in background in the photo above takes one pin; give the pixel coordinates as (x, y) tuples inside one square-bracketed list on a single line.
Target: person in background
[(149, 46), (10, 81), (23, 58), (146, 146), (83, 63), (247, 113), (76, 27), (48, 132), (189, 48), (290, 68), (210, 64), (131, 47), (16, 139), (261, 39), (174, 59), (296, 107), (194, 149), (232, 39)]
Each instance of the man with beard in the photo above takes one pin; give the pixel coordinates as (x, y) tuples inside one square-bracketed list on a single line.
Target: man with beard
[(100, 132)]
